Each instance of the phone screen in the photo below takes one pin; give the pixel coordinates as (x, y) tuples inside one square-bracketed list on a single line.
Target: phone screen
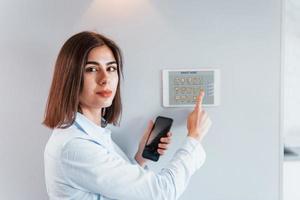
[(161, 125)]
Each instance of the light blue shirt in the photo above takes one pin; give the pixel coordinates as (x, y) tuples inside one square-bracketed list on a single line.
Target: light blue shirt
[(83, 163)]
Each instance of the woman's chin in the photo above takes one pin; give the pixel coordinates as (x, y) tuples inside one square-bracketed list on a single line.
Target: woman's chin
[(106, 104)]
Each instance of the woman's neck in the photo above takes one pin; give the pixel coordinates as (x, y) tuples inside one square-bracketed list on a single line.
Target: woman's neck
[(92, 114)]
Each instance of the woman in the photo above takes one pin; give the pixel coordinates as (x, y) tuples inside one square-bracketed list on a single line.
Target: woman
[(81, 160)]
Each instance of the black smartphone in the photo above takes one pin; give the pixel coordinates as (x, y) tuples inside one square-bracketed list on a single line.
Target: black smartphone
[(161, 127)]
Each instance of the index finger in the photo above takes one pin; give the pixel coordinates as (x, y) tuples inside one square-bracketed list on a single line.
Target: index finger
[(198, 105)]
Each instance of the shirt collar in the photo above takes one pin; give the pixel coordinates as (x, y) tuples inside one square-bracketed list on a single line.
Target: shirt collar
[(98, 133)]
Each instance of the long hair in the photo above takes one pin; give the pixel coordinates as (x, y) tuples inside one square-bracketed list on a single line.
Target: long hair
[(67, 82)]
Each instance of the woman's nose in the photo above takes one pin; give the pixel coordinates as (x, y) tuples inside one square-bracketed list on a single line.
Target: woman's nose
[(103, 79)]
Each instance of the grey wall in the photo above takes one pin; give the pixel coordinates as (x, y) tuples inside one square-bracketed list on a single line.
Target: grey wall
[(292, 73), (242, 38)]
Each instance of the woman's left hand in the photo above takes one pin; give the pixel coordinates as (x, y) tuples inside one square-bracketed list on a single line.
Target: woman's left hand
[(162, 146)]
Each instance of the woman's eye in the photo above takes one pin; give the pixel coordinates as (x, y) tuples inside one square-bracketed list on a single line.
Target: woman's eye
[(91, 69), (112, 69)]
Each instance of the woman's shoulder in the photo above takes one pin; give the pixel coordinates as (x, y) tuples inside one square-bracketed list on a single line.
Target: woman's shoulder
[(60, 137), (68, 133)]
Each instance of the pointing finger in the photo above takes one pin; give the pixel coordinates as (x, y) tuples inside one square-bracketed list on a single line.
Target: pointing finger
[(198, 105)]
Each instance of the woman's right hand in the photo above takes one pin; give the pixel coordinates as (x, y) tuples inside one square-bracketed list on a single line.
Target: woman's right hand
[(198, 122)]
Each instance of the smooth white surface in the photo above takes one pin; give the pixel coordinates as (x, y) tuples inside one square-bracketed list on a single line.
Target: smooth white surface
[(291, 180), (292, 73)]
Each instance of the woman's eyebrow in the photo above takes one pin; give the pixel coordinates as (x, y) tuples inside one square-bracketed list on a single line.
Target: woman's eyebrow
[(96, 63), (92, 62), (112, 62)]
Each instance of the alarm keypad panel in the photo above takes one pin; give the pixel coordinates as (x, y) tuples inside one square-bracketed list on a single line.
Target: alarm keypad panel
[(181, 87)]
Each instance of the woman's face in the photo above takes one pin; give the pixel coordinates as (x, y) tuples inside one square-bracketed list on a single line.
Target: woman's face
[(100, 79)]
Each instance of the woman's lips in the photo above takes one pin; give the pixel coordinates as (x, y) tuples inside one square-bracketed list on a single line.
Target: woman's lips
[(105, 94)]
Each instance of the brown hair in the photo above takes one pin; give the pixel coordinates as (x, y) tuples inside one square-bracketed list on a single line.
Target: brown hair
[(67, 82)]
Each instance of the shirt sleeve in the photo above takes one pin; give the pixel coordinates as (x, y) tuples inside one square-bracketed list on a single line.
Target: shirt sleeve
[(91, 167), (133, 161)]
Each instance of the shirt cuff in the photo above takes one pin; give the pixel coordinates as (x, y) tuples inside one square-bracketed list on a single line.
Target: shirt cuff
[(134, 162), (195, 148)]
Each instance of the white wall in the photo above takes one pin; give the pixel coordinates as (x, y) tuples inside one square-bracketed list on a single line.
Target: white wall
[(292, 73), (291, 180), (242, 38)]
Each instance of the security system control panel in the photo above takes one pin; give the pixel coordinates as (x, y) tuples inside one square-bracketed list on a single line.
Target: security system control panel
[(182, 86)]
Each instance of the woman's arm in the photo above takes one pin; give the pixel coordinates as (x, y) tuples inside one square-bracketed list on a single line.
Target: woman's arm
[(90, 167)]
